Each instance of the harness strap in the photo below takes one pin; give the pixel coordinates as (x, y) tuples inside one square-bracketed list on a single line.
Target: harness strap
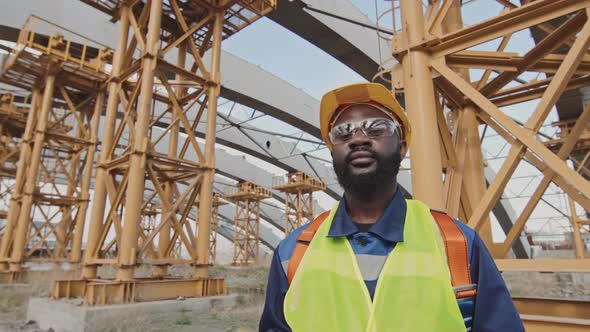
[(457, 254), (303, 241), (455, 244)]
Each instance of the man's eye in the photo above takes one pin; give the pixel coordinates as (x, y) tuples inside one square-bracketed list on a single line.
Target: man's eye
[(344, 136), (375, 132)]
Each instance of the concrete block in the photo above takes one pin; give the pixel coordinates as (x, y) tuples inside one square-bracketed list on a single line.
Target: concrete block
[(14, 298), (16, 288), (71, 316)]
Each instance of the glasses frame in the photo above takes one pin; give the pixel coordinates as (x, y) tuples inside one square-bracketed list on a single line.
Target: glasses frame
[(364, 125)]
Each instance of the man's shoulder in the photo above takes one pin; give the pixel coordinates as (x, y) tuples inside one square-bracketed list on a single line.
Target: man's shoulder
[(287, 245), (470, 235)]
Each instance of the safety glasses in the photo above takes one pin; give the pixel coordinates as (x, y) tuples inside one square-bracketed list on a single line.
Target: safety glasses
[(371, 127)]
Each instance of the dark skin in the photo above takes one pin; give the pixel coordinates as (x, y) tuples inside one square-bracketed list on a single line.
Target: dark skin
[(366, 209)]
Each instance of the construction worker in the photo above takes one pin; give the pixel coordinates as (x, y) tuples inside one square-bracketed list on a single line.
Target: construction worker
[(376, 261)]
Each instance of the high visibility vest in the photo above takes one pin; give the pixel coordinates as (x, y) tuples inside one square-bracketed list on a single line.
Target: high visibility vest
[(414, 291)]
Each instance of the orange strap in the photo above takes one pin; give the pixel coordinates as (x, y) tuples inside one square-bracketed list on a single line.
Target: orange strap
[(457, 254), (455, 244), (303, 241)]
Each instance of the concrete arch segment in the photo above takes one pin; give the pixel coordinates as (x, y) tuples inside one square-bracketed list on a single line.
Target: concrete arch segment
[(353, 45)]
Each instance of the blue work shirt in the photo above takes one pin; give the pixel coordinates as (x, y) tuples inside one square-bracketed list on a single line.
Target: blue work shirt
[(492, 309)]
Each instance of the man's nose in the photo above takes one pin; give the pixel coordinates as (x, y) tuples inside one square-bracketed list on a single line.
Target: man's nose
[(359, 138)]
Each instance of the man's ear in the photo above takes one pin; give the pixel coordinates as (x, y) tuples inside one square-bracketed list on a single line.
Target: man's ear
[(403, 148)]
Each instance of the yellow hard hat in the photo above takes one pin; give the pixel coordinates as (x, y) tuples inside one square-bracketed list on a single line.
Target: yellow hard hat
[(356, 93)]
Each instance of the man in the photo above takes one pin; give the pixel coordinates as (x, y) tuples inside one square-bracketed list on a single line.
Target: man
[(378, 262)]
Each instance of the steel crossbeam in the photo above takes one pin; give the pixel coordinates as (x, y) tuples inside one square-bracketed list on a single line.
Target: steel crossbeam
[(45, 220), (438, 46)]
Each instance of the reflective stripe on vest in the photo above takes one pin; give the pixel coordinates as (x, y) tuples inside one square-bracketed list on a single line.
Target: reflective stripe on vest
[(413, 293)]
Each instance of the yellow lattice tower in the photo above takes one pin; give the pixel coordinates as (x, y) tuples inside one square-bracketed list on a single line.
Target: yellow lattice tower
[(582, 144), (66, 76), (579, 157), (148, 221), (158, 72), (298, 190), (247, 220), (217, 202), (13, 118), (12, 124)]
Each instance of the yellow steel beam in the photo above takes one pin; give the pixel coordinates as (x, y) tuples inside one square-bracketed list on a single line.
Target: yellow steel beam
[(544, 265)]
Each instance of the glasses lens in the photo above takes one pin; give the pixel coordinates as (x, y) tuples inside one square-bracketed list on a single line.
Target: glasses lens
[(372, 128), (378, 127), (342, 133)]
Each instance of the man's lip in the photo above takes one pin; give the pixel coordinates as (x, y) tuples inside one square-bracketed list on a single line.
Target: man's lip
[(362, 162), (361, 158), (360, 155)]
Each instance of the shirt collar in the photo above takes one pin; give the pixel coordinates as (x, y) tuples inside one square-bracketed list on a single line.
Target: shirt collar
[(390, 226)]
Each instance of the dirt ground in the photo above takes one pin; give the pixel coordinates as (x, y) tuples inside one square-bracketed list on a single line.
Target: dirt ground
[(249, 284)]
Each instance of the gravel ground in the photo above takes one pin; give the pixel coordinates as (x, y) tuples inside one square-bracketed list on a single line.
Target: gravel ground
[(249, 284)]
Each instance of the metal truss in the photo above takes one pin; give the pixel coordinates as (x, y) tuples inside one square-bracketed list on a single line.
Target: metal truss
[(217, 202), (150, 82), (45, 221), (439, 46), (298, 189), (247, 199), (13, 119)]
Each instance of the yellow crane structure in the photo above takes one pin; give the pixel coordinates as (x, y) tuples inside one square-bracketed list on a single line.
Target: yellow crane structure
[(217, 202), (298, 189), (158, 71), (437, 56), (579, 159), (247, 199), (13, 119), (58, 142)]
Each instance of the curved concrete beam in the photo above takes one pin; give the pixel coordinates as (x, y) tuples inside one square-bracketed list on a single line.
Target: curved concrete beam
[(353, 45)]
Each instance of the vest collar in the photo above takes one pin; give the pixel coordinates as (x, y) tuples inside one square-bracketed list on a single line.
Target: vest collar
[(389, 227)]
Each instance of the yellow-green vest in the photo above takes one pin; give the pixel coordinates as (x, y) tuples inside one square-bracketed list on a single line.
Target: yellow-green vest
[(413, 293)]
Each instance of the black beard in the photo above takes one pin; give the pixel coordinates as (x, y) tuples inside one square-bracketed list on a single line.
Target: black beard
[(369, 184)]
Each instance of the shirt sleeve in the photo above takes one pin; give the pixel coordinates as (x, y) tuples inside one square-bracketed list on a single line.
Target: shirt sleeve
[(494, 309), (273, 318)]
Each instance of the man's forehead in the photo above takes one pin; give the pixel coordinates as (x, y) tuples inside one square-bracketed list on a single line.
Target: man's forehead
[(358, 112)]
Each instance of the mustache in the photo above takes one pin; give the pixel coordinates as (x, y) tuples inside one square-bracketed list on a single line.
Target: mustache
[(364, 148)]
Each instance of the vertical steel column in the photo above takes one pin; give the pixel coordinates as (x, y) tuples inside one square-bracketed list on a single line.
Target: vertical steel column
[(137, 160), (300, 207), (85, 190), (472, 161), (426, 161), (206, 190), (24, 217), (256, 230), (164, 236), (66, 211), (577, 236), (213, 231), (246, 251), (16, 195), (240, 232), (100, 188), (288, 214)]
